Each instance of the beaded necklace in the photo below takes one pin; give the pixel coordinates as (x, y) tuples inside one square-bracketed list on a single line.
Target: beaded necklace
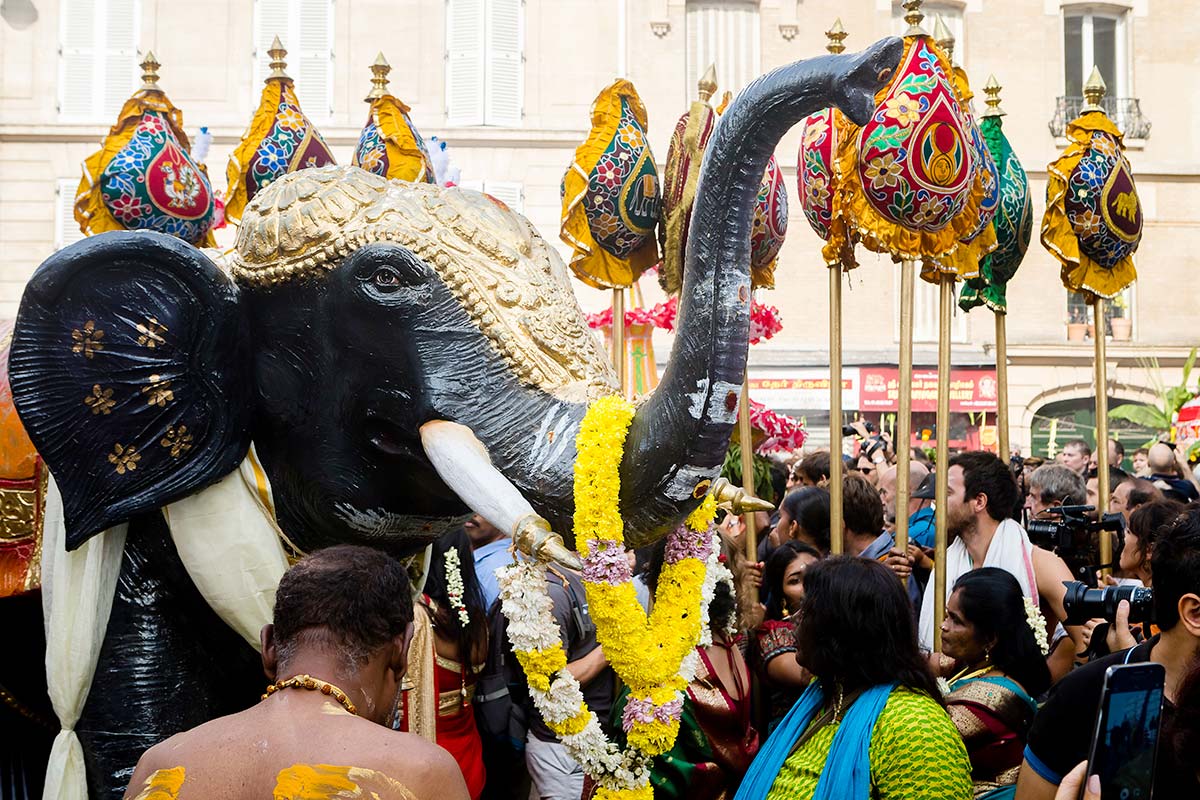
[(312, 684)]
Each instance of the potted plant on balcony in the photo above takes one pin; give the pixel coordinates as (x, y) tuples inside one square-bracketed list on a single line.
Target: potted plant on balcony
[(1119, 323), (1077, 325)]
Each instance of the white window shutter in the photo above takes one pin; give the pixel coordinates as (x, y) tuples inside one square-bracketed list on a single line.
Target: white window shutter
[(511, 193), (77, 57), (465, 49), (120, 54), (313, 56), (726, 34), (271, 19), (66, 229), (505, 63)]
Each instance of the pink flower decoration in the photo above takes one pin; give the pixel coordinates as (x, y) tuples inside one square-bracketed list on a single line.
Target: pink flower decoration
[(605, 563), (641, 710), (783, 433), (685, 543)]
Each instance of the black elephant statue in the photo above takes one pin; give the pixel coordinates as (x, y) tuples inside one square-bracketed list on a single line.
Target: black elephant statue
[(393, 356)]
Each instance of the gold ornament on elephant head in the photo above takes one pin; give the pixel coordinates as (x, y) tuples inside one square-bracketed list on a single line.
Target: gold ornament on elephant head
[(512, 284)]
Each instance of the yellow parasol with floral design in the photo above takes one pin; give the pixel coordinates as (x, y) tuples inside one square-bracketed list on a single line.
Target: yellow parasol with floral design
[(389, 145), (280, 140)]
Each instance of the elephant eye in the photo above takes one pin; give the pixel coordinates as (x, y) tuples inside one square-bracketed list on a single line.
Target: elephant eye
[(386, 279)]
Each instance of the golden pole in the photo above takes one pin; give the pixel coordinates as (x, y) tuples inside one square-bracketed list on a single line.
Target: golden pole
[(903, 437), (618, 338), (837, 37), (943, 456), (1002, 386), (836, 530), (746, 437), (1102, 488)]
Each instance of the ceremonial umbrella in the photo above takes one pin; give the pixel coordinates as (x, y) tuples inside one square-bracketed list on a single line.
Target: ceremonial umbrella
[(910, 183), (143, 177), (389, 145), (1013, 225), (611, 203), (280, 140), (1093, 225)]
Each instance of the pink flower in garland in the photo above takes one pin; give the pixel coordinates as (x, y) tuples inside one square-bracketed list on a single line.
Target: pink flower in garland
[(605, 563), (683, 543), (764, 319), (783, 433), (641, 710)]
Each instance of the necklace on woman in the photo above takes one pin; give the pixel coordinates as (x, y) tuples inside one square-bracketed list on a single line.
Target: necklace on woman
[(312, 684), (967, 673)]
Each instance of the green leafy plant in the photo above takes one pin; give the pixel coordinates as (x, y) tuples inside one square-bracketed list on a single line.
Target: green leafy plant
[(1170, 398), (732, 472)]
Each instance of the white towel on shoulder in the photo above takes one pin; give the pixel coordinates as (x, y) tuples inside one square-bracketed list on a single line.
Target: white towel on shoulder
[(1010, 550)]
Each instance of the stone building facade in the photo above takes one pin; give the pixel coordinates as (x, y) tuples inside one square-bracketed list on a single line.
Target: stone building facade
[(508, 84)]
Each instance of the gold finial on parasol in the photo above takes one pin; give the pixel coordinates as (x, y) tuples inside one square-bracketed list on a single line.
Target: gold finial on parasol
[(150, 67), (277, 54), (913, 17), (1093, 92), (992, 90), (836, 36), (944, 37), (707, 85), (379, 78)]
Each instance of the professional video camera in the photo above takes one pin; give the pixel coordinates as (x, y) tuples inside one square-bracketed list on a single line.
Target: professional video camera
[(1069, 532), (1082, 602)]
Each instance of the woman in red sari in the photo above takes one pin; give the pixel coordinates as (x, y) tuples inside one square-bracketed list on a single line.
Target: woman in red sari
[(448, 651), (992, 632)]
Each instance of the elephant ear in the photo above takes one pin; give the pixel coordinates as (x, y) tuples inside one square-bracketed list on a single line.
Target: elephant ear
[(131, 372)]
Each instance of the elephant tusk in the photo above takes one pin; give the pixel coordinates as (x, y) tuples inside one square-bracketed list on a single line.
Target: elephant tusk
[(463, 464)]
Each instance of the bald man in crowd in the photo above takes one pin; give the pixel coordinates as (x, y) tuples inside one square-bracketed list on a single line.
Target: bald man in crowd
[(920, 513), (1165, 473)]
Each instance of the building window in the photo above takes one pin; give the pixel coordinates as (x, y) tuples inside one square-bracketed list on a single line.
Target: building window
[(66, 229), (97, 57), (306, 29), (1094, 38), (1099, 39), (485, 62), (951, 13), (1118, 317), (511, 193), (726, 35), (926, 308)]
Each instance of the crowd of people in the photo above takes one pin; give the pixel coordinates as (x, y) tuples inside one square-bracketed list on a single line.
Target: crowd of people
[(821, 679)]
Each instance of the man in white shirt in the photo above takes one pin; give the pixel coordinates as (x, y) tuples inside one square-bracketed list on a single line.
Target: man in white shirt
[(982, 500)]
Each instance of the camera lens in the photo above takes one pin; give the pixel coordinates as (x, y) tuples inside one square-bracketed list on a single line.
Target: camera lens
[(1082, 603)]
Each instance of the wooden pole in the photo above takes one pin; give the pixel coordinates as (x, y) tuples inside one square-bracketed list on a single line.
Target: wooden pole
[(618, 338), (1002, 386), (836, 530), (746, 437), (903, 438), (1102, 487), (946, 308)]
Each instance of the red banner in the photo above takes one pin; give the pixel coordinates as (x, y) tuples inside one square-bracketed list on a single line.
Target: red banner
[(970, 389)]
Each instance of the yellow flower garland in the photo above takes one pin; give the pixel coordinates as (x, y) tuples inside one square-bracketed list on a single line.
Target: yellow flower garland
[(646, 653)]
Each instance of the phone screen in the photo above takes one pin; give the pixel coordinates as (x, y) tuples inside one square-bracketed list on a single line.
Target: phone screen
[(1125, 743)]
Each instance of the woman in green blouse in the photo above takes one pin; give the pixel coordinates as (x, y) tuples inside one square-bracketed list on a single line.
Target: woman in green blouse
[(872, 726)]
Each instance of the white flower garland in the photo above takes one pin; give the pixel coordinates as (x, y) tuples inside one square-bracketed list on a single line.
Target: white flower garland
[(1037, 624), (454, 585), (715, 572), (531, 627)]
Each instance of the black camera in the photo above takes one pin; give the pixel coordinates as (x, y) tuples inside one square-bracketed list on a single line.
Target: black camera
[(1083, 603), (849, 430), (1072, 534)]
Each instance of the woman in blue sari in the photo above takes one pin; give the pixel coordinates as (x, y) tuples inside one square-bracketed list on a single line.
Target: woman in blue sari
[(991, 631)]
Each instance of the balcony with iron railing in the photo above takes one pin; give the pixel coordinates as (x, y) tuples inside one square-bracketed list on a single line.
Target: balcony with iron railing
[(1125, 112)]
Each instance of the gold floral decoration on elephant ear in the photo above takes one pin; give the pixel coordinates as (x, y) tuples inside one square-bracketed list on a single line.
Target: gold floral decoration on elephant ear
[(1093, 221), (610, 194), (907, 181), (510, 281)]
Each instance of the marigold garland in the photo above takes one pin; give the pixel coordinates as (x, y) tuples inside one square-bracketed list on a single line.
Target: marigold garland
[(655, 656)]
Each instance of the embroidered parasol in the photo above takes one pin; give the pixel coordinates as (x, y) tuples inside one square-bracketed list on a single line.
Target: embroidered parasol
[(143, 176), (1013, 220), (389, 145), (1093, 221), (280, 140), (611, 200)]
